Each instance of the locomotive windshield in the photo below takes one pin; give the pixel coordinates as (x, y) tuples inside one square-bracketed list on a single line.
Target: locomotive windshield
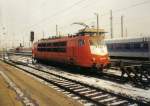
[(97, 45)]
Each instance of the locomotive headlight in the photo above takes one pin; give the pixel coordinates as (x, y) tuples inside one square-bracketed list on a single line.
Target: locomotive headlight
[(108, 58), (105, 49), (93, 59), (102, 50)]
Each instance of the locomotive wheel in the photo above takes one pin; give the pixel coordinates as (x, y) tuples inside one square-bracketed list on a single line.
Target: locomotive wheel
[(37, 60)]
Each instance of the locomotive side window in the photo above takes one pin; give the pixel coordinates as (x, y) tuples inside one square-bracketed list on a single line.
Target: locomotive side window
[(41, 44), (81, 42), (52, 47), (49, 44), (57, 44)]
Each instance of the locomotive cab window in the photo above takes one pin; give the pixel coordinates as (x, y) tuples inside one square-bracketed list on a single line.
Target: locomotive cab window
[(81, 42), (97, 45)]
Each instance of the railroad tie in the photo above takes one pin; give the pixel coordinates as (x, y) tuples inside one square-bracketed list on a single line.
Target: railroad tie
[(94, 94), (120, 103)]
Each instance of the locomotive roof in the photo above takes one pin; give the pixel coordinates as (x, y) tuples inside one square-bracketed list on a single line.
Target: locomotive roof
[(82, 32), (54, 38), (91, 30)]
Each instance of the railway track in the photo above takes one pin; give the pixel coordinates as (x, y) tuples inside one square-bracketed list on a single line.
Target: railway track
[(92, 94), (135, 72), (136, 75), (20, 53)]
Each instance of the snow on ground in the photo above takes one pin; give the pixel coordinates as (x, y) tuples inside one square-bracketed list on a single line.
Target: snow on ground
[(125, 89), (21, 58)]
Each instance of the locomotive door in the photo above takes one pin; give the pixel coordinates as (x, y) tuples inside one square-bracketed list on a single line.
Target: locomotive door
[(81, 51), (72, 52)]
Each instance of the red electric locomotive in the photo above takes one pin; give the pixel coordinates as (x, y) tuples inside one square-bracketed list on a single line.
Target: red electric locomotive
[(85, 49)]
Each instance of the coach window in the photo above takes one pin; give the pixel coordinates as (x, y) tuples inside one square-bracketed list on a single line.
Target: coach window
[(145, 45), (142, 45), (81, 42)]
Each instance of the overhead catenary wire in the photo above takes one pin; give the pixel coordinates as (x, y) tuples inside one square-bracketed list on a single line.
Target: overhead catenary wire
[(133, 5), (58, 13), (80, 1), (119, 10), (123, 9)]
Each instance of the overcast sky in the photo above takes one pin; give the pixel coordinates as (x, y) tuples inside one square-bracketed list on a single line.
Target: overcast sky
[(19, 17)]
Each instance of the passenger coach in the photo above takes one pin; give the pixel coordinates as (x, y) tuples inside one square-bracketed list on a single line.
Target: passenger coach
[(138, 48)]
